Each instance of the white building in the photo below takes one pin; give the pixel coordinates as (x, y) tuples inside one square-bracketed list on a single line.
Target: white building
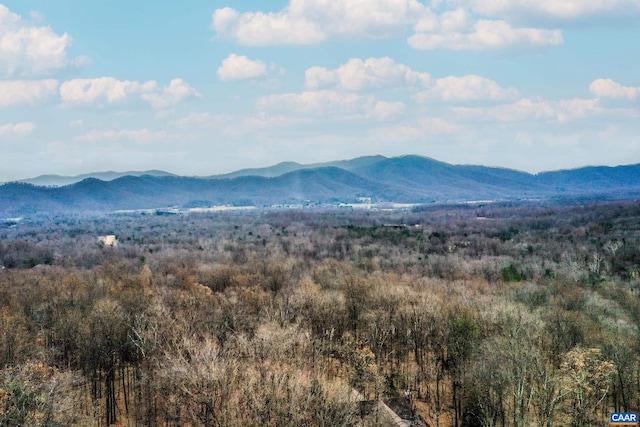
[(108, 240)]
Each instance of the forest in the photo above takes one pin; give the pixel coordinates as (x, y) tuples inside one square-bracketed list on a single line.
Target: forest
[(486, 314)]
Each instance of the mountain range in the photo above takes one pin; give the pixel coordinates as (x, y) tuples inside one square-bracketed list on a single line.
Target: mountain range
[(405, 179), (60, 181)]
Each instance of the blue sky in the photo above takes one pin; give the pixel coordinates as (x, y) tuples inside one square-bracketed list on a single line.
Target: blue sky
[(206, 87)]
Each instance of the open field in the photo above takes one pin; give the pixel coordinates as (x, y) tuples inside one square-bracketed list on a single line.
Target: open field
[(484, 314)]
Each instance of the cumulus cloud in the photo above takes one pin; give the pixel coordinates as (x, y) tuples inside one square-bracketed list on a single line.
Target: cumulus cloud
[(358, 74), (262, 29), (447, 22), (304, 22), (330, 104), (526, 109), (31, 50), (140, 135), (239, 67), (102, 90), (607, 88), (18, 129), (108, 90), (343, 90), (16, 92), (486, 35), (177, 92), (562, 9), (465, 89), (387, 110)]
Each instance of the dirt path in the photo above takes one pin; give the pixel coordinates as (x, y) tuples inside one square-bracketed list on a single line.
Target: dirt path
[(396, 421)]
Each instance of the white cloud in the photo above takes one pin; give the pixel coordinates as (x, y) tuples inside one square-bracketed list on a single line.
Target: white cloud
[(304, 22), (527, 109), (326, 103), (30, 50), (449, 21), (102, 90), (260, 29), (15, 92), (140, 135), (465, 89), (562, 9), (239, 67), (387, 110), (224, 20), (486, 35), (357, 74), (18, 129), (319, 102), (607, 88), (108, 90), (177, 92)]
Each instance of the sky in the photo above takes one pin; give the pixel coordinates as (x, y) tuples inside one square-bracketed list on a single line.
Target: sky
[(206, 87)]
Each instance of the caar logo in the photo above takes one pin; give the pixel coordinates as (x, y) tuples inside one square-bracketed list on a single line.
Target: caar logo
[(623, 418)]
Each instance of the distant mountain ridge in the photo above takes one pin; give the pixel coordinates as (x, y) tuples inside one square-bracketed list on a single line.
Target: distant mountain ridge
[(286, 167), (60, 180), (406, 179), (53, 180)]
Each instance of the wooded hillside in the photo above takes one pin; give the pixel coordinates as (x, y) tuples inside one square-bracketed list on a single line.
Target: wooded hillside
[(512, 314)]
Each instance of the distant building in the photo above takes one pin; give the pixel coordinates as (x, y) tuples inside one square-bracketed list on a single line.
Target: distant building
[(108, 240)]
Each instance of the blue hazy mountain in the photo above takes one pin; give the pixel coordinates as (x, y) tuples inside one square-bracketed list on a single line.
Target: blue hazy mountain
[(60, 180), (286, 167), (406, 179)]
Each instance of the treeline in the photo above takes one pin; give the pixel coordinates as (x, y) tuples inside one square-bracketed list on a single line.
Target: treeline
[(512, 314)]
